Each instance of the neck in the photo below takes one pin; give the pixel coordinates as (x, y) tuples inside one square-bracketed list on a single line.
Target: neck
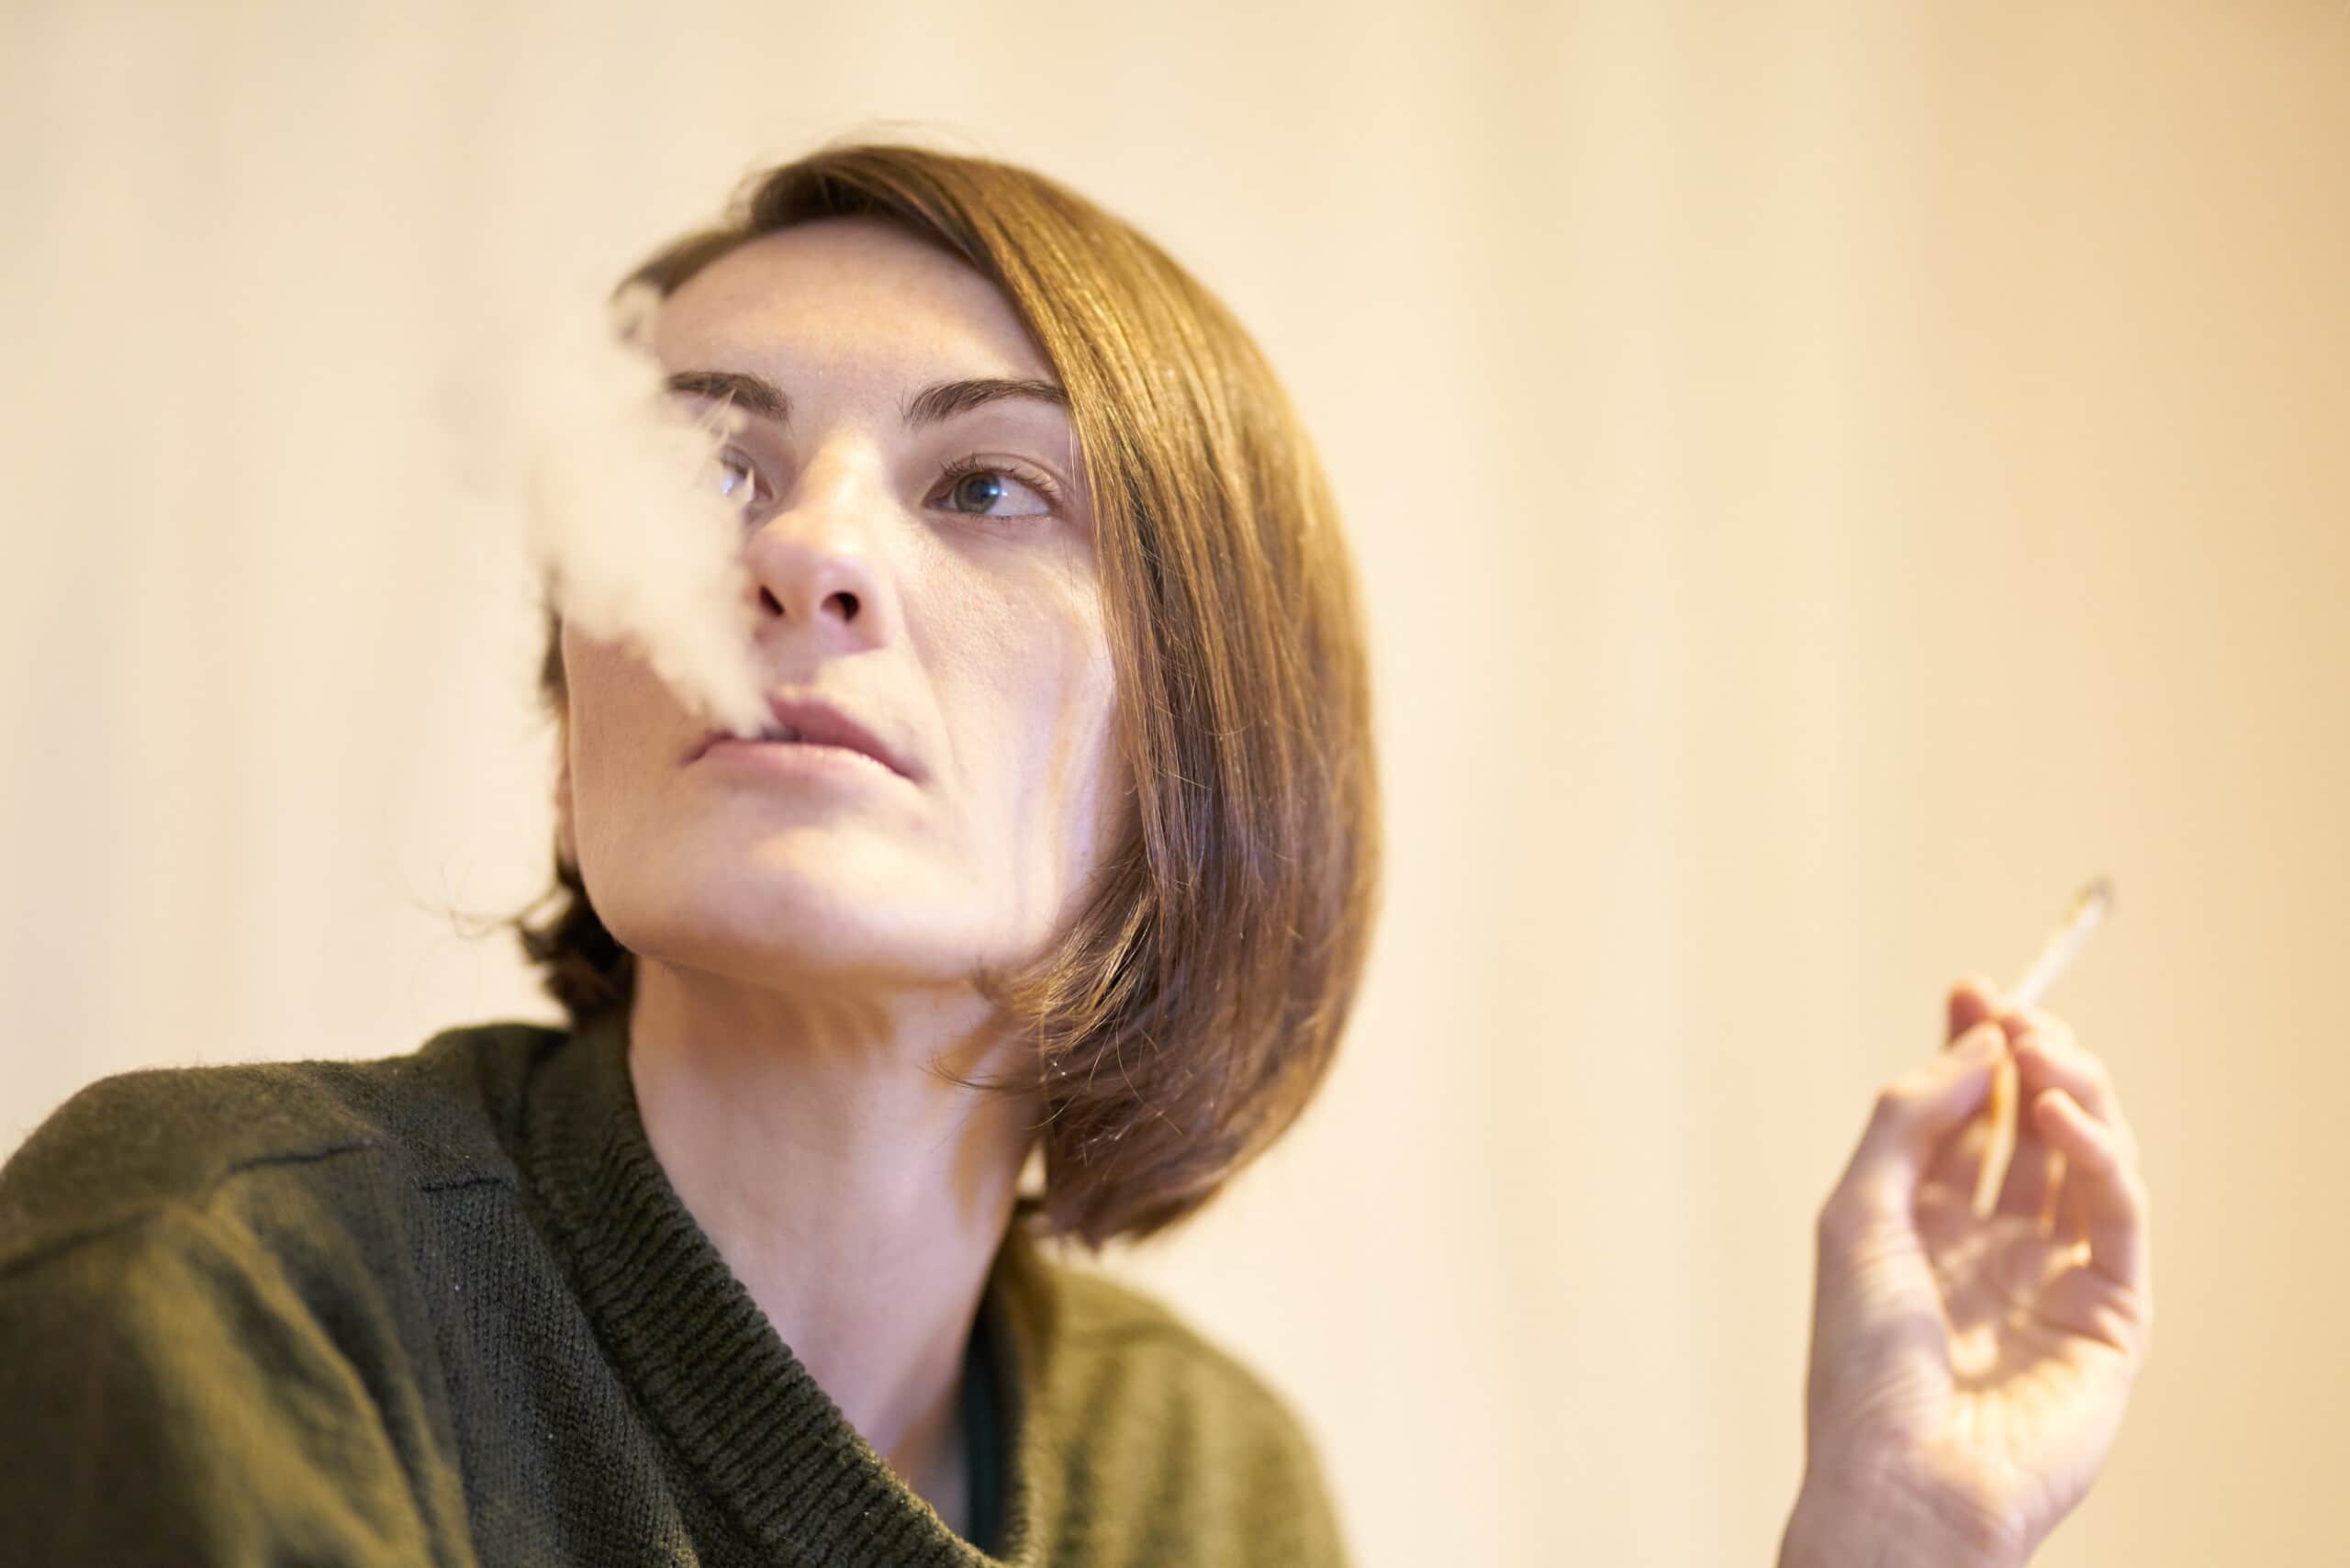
[(860, 1196)]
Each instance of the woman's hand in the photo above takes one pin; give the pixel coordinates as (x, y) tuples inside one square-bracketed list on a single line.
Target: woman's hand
[(1967, 1377)]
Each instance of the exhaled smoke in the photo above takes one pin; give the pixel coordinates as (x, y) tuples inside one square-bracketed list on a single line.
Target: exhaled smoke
[(627, 527)]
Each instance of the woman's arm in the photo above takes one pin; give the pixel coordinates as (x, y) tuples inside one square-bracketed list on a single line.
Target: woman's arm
[(1968, 1376), (1858, 1524), (165, 1399)]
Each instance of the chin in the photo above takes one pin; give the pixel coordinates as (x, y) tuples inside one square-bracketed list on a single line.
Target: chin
[(837, 922)]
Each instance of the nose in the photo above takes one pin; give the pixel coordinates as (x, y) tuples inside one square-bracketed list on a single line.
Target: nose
[(816, 561)]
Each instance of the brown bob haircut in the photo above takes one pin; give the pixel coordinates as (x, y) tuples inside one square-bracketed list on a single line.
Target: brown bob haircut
[(1183, 1019)]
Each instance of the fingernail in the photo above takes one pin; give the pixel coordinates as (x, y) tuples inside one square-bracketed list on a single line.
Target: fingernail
[(1981, 1043)]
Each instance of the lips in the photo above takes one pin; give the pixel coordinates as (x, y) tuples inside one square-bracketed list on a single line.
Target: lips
[(808, 721)]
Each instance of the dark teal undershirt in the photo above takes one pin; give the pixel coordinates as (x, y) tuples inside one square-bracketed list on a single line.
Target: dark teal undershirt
[(982, 1438)]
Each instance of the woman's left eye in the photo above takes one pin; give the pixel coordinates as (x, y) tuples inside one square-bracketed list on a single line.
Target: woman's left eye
[(982, 491)]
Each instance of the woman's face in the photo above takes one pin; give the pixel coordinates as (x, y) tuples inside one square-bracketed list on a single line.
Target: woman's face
[(921, 552)]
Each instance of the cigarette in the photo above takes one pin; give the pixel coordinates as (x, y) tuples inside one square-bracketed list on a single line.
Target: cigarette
[(2089, 907)]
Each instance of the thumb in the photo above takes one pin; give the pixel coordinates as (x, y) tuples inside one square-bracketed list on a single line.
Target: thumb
[(1915, 1116)]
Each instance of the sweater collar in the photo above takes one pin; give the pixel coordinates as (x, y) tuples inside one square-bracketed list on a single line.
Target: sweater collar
[(737, 1407)]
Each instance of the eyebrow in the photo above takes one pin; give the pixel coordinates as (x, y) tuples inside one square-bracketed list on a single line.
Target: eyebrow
[(939, 401)]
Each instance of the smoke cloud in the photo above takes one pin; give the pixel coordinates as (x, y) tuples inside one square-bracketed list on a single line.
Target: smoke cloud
[(625, 524)]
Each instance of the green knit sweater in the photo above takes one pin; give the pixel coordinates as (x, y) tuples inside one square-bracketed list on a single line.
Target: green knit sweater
[(446, 1308)]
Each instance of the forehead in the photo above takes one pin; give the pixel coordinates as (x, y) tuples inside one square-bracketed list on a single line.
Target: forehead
[(845, 295)]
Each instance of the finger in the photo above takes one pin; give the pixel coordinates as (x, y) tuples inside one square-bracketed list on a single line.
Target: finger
[(1913, 1117), (2036, 1172), (2102, 1187), (2021, 1021), (2004, 1118), (1971, 1000), (2048, 1057)]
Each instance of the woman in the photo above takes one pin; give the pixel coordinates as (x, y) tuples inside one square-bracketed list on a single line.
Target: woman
[(1062, 845)]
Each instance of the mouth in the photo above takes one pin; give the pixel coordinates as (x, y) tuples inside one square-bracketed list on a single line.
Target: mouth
[(811, 722)]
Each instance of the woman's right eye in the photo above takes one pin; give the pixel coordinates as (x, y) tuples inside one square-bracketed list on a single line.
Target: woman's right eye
[(735, 479)]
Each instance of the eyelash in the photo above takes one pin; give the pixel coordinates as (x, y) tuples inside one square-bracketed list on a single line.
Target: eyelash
[(954, 474), (964, 467)]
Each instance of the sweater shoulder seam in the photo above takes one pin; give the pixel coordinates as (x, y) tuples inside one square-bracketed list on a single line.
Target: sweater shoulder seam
[(197, 1204)]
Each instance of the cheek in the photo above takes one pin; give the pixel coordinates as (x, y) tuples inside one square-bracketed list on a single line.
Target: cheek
[(1041, 711), (619, 715), (1090, 775), (1073, 779)]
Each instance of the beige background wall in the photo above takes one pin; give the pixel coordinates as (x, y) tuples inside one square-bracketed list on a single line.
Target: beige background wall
[(1827, 477)]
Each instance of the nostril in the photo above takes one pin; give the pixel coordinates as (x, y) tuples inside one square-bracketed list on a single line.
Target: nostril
[(845, 602)]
